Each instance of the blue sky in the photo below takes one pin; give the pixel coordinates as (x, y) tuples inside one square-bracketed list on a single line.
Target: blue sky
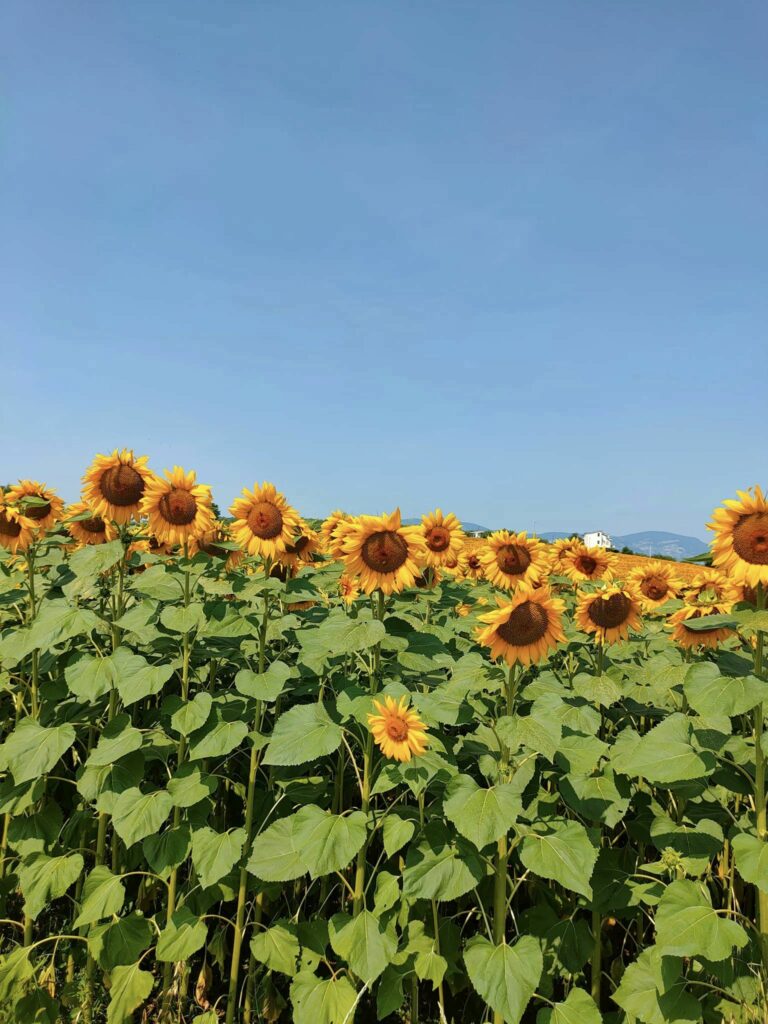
[(505, 258)]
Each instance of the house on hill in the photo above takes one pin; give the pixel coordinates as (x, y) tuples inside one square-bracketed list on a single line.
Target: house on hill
[(598, 539)]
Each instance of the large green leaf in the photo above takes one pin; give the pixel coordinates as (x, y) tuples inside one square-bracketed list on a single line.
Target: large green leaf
[(710, 693), (277, 947), (562, 852), (182, 936), (301, 734), (687, 924), (482, 815), (96, 558), (664, 755), (578, 1008), (43, 878), (138, 814), (653, 991), (364, 943), (192, 714), (129, 989), (217, 738), (265, 686), (118, 738), (275, 856), (751, 859), (441, 866), (328, 842), (103, 895), (32, 749), (214, 854), (321, 1002), (505, 976)]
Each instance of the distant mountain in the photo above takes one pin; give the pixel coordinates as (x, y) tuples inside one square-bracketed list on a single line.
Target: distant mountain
[(651, 542)]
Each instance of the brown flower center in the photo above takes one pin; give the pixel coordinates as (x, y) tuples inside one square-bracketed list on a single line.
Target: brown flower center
[(298, 546), (474, 563), (384, 551), (526, 624), (397, 729), (265, 520), (750, 538), (438, 538), (178, 507), (94, 525), (122, 486), (654, 588), (9, 527), (586, 564), (610, 612), (513, 559), (35, 511)]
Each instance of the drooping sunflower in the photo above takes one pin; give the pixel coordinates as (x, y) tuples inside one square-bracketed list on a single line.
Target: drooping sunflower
[(609, 613), (178, 509), (656, 583), (398, 731), (84, 526), (302, 546), (348, 589), (382, 553), (264, 521), (114, 485), (17, 531), (581, 563), (46, 510), (558, 550), (443, 537), (688, 638), (524, 628), (740, 545), (709, 587), (511, 558), (209, 543), (331, 532)]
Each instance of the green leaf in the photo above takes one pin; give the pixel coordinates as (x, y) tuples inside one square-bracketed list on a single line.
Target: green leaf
[(275, 857), (328, 842), (481, 815), (15, 971), (578, 1008), (321, 1002), (505, 976), (664, 755), (653, 991), (183, 936), (167, 850), (189, 786), (710, 693), (183, 619), (96, 558), (214, 854), (103, 895), (563, 853), (217, 738), (686, 924), (442, 866), (265, 686), (193, 714), (365, 945), (301, 734), (277, 947), (121, 942), (397, 832), (751, 859), (89, 677), (117, 739), (159, 583), (129, 989), (138, 814), (32, 750), (43, 878)]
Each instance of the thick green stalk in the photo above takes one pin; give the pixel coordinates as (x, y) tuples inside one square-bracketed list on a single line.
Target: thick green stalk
[(502, 845), (597, 921), (760, 809)]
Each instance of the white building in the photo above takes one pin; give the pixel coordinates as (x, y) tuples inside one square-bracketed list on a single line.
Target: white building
[(598, 539)]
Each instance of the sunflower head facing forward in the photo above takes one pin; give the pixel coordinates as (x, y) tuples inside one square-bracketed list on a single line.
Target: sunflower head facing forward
[(178, 509), (84, 526), (264, 523), (609, 613), (582, 564), (740, 544), (558, 550), (525, 628), (512, 558), (37, 502), (114, 485), (210, 544), (655, 583), (17, 531), (398, 731), (443, 538), (382, 553)]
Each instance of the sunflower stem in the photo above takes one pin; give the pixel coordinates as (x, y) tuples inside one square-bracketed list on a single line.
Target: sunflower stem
[(760, 808)]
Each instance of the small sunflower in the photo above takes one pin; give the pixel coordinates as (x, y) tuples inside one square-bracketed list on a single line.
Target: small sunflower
[(462, 610), (609, 613), (45, 511), (114, 485), (348, 590), (558, 550), (265, 523), (382, 553), (711, 587), (512, 558), (84, 526), (524, 628), (443, 537), (302, 546), (581, 563), (470, 566), (398, 731), (177, 508), (331, 531), (688, 638), (656, 583), (17, 531), (740, 545), (209, 543)]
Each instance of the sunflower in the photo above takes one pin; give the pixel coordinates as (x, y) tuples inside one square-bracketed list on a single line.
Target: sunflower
[(383, 553), (302, 546), (524, 628), (711, 587), (688, 638), (470, 566), (581, 563), (209, 543), (265, 523), (746, 594), (17, 531), (558, 550), (511, 558), (462, 610), (45, 511), (348, 589), (609, 613), (177, 508), (740, 545), (443, 536), (331, 531), (397, 730), (656, 583), (84, 526), (114, 485)]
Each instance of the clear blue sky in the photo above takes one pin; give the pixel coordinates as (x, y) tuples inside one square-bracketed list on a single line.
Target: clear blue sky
[(506, 258)]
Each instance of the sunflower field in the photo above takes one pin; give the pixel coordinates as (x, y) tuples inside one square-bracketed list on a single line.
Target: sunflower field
[(255, 768)]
